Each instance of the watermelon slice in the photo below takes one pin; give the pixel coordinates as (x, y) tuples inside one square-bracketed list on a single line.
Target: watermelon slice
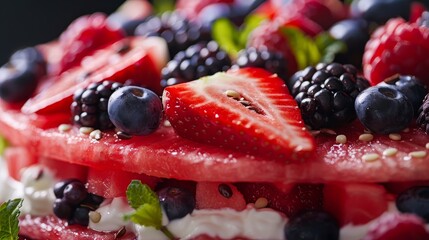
[(166, 155)]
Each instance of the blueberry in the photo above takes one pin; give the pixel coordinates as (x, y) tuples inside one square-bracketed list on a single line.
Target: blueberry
[(75, 193), (80, 216), (379, 11), (354, 33), (384, 109), (411, 87), (19, 77), (61, 185), (312, 225), (415, 200), (62, 209), (176, 202), (135, 110)]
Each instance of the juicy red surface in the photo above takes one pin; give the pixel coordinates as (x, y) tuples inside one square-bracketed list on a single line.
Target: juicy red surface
[(208, 196), (65, 170), (201, 111), (85, 35), (396, 226), (18, 158), (300, 198), (105, 64), (50, 227), (397, 47), (164, 154), (355, 203), (111, 183)]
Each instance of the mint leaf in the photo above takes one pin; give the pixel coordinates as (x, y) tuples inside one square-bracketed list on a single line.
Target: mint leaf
[(139, 194), (329, 46), (3, 144), (231, 38), (304, 48), (147, 215), (9, 213), (161, 6)]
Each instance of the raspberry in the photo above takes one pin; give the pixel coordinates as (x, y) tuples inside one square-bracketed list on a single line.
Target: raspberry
[(85, 35), (398, 47), (396, 226), (89, 107), (269, 36)]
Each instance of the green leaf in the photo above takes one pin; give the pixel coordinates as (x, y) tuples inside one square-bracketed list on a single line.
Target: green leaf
[(3, 144), (329, 46), (9, 213), (147, 215), (304, 48), (139, 194), (225, 34), (250, 23), (161, 6)]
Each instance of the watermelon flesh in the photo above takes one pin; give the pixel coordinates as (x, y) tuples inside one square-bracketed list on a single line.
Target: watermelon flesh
[(164, 154)]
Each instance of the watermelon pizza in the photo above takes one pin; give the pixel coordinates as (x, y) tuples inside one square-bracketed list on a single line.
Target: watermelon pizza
[(155, 127)]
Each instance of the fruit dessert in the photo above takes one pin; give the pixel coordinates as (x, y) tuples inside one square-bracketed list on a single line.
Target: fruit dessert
[(228, 119)]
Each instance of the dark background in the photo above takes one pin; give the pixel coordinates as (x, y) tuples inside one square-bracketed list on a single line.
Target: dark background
[(29, 22)]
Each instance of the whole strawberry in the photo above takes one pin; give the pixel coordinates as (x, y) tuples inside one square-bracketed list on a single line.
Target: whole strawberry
[(397, 226), (398, 47)]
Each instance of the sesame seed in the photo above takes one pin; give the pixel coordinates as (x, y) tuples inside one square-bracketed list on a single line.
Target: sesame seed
[(341, 139), (261, 202), (417, 154), (96, 134), (370, 157), (86, 130), (167, 123), (395, 136), (406, 130), (427, 145), (366, 137), (232, 94), (390, 152), (94, 216), (64, 127)]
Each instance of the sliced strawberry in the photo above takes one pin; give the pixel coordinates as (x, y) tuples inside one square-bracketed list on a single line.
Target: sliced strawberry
[(201, 111), (300, 198), (355, 203), (85, 35), (136, 59)]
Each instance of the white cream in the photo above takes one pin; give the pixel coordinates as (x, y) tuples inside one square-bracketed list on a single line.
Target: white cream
[(37, 184), (228, 223), (112, 216), (9, 188)]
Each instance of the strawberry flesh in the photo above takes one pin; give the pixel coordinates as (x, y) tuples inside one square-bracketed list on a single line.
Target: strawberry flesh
[(201, 111)]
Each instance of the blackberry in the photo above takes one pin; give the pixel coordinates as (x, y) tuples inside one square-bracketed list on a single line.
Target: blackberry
[(199, 60), (272, 61), (423, 115), (326, 94), (179, 32), (89, 107)]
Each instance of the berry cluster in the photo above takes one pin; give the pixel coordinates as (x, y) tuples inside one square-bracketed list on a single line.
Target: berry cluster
[(89, 107), (199, 60), (326, 94), (179, 32), (73, 202)]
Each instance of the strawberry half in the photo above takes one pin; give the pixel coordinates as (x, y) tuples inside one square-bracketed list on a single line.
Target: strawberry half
[(249, 110)]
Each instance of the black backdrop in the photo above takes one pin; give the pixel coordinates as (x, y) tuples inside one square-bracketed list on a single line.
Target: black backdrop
[(29, 22)]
